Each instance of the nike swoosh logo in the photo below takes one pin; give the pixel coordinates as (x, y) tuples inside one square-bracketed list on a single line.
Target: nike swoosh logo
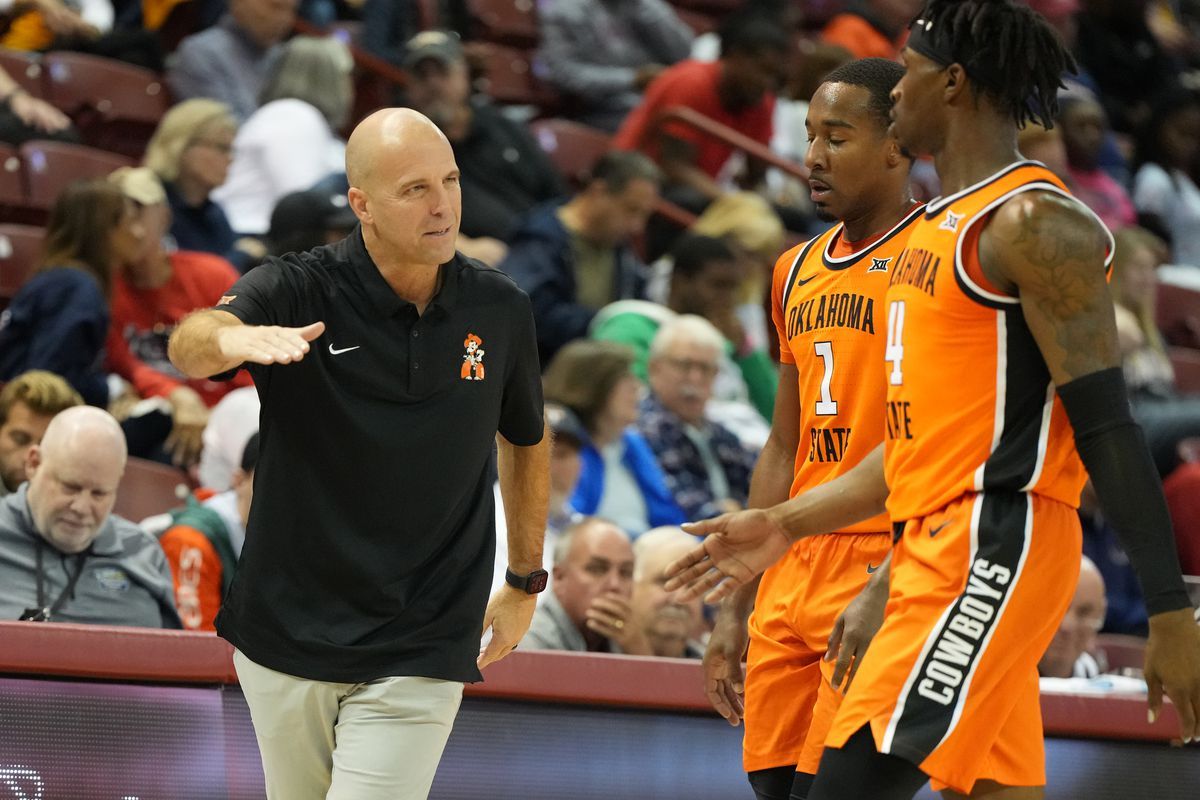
[(872, 567), (334, 352), (802, 281), (934, 531)]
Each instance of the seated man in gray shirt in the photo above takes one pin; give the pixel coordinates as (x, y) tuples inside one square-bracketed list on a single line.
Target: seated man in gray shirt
[(587, 608), (64, 557)]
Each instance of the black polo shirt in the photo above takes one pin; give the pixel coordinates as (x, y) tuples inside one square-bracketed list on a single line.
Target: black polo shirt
[(371, 538)]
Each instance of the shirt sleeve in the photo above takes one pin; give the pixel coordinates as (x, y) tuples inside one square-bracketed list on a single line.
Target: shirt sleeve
[(521, 409), (269, 294), (778, 283)]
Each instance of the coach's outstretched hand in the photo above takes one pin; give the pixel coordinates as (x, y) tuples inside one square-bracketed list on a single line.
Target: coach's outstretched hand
[(1173, 666), (508, 615), (266, 344), (738, 547)]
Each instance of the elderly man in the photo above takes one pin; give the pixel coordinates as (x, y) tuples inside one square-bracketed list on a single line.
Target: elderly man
[(64, 557), (363, 584), (1071, 651), (707, 468), (27, 404), (588, 607), (668, 622), (229, 61)]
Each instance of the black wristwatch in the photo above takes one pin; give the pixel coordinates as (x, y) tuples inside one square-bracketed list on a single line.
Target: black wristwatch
[(532, 583)]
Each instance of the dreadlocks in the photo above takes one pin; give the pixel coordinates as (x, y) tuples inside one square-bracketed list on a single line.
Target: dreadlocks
[(1007, 50)]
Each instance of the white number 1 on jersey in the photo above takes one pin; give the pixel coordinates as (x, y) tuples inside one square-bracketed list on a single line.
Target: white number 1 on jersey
[(894, 353), (826, 406)]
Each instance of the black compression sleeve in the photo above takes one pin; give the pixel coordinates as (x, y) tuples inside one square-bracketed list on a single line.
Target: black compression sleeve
[(1114, 451)]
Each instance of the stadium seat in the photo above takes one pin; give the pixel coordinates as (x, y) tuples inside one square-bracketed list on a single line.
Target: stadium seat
[(12, 182), (506, 74), (49, 166), (20, 249), (512, 22), (149, 488), (1122, 652), (116, 106), (25, 69), (1186, 363), (571, 146), (1177, 314)]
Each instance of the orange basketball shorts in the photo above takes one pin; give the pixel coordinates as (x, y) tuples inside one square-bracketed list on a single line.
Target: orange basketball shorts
[(950, 681), (790, 703)]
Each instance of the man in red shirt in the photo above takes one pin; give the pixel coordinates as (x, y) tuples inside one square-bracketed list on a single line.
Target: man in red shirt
[(151, 294), (737, 90)]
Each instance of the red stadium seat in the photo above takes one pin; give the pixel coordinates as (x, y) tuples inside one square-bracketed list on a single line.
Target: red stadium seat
[(49, 166), (507, 76), (1186, 363), (116, 106), (12, 181), (1177, 314), (1122, 652), (574, 148), (20, 249), (24, 68), (511, 22), (149, 488)]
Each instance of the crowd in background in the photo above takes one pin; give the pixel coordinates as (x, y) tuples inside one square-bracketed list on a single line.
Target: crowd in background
[(648, 271)]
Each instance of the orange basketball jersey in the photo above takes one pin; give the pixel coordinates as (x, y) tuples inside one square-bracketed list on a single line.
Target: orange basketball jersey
[(970, 403), (827, 302)]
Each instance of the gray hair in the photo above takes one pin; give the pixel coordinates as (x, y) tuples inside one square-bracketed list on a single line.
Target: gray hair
[(182, 126), (315, 70), (687, 327), (657, 539), (562, 546)]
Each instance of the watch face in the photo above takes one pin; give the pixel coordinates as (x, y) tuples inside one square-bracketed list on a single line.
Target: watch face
[(537, 581)]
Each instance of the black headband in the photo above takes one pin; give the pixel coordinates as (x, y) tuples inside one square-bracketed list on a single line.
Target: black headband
[(937, 45)]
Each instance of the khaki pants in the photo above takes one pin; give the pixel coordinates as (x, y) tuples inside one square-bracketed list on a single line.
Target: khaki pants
[(379, 740)]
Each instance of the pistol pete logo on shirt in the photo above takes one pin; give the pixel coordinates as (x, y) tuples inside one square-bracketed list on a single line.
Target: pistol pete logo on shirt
[(113, 579), (472, 366), (226, 299)]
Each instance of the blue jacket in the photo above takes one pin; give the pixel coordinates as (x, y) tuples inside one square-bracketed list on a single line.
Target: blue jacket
[(541, 261), (58, 322), (661, 508)]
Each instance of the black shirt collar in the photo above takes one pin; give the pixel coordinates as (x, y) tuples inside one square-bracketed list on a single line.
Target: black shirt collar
[(383, 297)]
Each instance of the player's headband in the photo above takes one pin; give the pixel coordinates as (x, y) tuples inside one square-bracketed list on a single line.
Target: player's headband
[(935, 44)]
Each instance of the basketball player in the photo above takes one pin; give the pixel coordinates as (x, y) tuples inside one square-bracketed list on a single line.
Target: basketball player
[(828, 307), (1004, 384)]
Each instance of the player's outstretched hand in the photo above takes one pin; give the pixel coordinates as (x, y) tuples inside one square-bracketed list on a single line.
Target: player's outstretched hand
[(508, 615), (738, 547), (266, 344), (724, 679), (853, 631), (1173, 666)]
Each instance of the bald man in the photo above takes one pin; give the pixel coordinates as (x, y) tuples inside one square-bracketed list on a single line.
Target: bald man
[(390, 369), (64, 556), (1070, 653)]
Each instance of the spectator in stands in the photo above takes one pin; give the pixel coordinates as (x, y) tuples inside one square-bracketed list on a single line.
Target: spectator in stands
[(204, 543), (59, 319), (290, 143), (668, 623), (27, 404), (587, 608), (1043, 144), (1166, 416), (64, 556), (190, 153), (152, 292), (304, 220), (1164, 189), (872, 28), (565, 466), (387, 27), (505, 172), (1084, 128), (1072, 651), (24, 117), (85, 26), (1117, 49), (603, 54), (621, 480), (738, 91), (230, 61), (1123, 594), (575, 258), (707, 469), (704, 277), (230, 425)]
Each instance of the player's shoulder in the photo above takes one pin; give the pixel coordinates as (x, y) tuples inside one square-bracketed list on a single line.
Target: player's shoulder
[(1045, 214)]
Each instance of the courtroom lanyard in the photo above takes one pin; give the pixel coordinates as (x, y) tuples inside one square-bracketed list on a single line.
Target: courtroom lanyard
[(68, 591)]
